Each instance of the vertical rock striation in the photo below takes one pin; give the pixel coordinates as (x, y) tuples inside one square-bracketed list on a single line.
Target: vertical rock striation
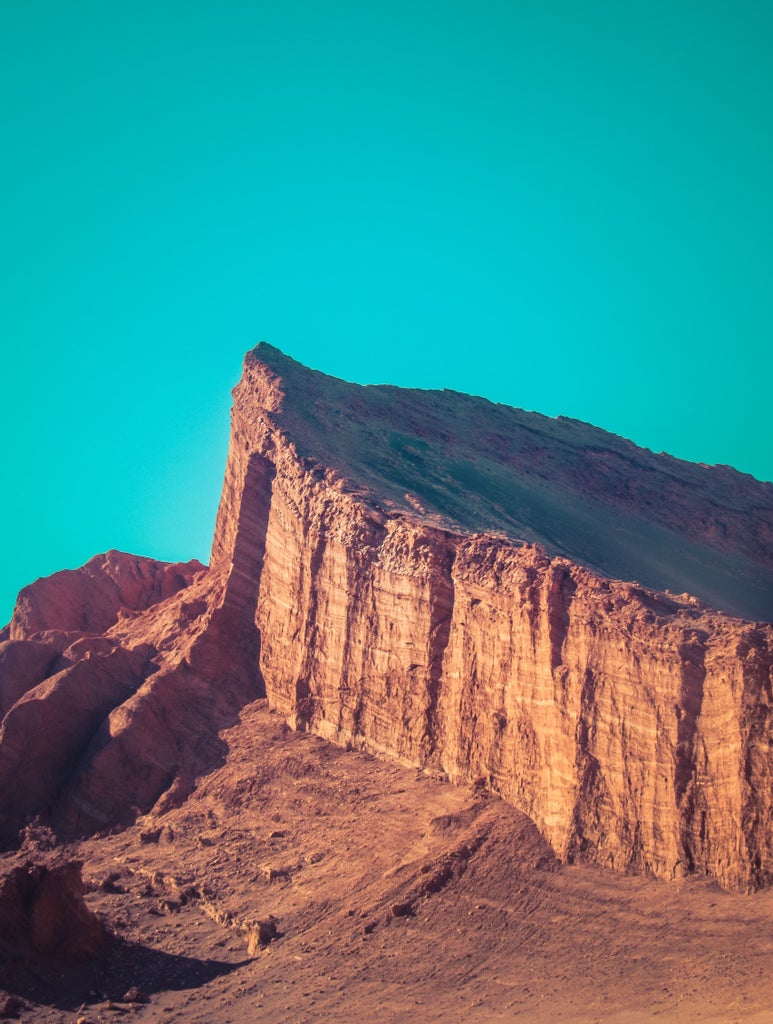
[(444, 581), (633, 726)]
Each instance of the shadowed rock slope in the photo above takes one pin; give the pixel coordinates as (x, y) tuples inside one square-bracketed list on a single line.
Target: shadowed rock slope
[(451, 583), (98, 726)]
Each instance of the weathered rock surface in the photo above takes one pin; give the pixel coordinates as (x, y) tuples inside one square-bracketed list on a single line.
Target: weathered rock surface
[(633, 727), (447, 582), (96, 727), (43, 916), (90, 599)]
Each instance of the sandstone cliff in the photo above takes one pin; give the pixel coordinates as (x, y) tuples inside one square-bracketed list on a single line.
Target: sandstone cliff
[(447, 582), (633, 726)]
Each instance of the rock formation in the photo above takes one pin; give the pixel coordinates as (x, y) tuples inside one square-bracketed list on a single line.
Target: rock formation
[(97, 726), (90, 599), (43, 915), (451, 583)]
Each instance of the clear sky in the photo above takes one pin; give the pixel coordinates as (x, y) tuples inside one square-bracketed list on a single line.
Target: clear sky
[(564, 206)]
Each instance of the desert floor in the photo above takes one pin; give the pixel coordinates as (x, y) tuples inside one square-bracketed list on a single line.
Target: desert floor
[(396, 897)]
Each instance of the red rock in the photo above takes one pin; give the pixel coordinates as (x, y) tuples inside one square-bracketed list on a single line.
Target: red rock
[(134, 995), (43, 915), (50, 728), (632, 726), (443, 581), (89, 599), (23, 664)]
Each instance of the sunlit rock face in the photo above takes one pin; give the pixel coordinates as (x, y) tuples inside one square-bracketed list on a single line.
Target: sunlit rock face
[(440, 580), (632, 725), (90, 599)]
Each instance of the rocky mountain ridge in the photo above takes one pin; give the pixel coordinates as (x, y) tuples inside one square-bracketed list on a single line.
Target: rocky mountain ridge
[(446, 582)]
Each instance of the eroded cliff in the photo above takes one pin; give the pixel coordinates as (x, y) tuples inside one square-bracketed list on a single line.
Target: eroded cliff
[(633, 726), (447, 582)]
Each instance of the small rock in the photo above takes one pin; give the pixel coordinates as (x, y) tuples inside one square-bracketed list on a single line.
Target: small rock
[(275, 874), (260, 934), (111, 885), (151, 835), (134, 995), (37, 836), (401, 910)]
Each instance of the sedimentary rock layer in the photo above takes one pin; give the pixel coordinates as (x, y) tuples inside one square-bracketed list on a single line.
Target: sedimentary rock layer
[(443, 581), (633, 726)]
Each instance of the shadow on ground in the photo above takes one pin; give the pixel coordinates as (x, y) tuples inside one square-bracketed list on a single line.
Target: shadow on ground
[(127, 966)]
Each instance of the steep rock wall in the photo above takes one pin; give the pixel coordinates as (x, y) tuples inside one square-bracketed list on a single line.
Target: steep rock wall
[(633, 727)]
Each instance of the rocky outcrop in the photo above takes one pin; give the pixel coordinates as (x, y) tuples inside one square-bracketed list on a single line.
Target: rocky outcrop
[(90, 599), (450, 583), (43, 916), (97, 727), (634, 729), (633, 726), (470, 466), (51, 725)]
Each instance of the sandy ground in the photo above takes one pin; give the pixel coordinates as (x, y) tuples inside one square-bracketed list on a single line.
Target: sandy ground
[(394, 897)]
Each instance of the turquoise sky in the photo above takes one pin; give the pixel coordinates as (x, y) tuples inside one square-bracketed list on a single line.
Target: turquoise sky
[(562, 206)]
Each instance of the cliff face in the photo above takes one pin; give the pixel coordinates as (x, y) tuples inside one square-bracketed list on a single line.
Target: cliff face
[(633, 727), (443, 581)]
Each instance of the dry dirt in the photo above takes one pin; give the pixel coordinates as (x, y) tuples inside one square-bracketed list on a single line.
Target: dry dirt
[(395, 896)]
